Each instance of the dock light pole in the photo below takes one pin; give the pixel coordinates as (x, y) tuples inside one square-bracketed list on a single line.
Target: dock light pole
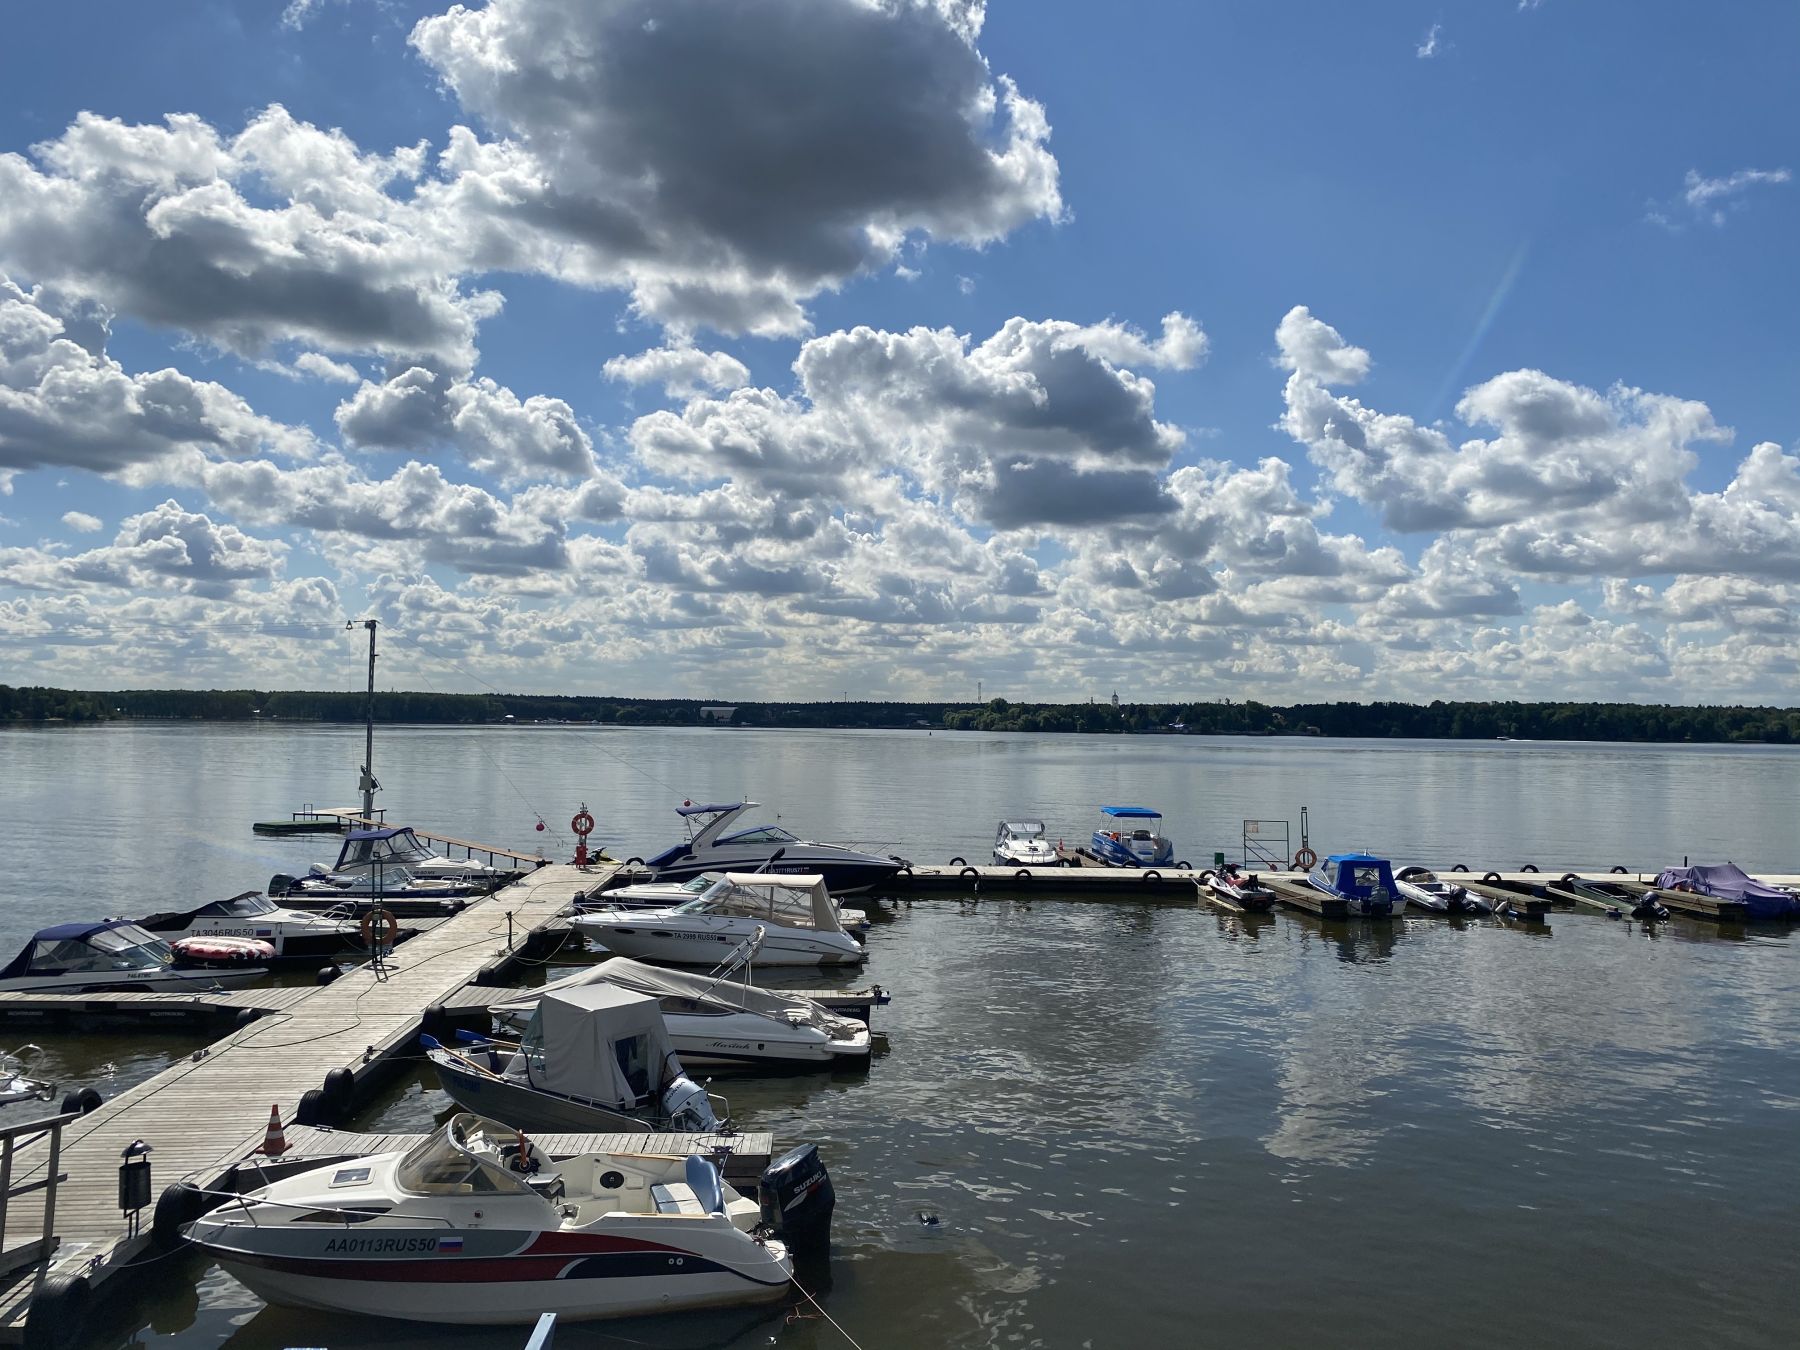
[(369, 785)]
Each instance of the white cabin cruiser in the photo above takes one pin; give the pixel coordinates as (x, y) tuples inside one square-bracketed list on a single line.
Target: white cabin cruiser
[(710, 848), (84, 958), (1024, 843), (397, 847), (717, 1021), (796, 913), (594, 1057), (294, 934), (669, 894), (476, 1224)]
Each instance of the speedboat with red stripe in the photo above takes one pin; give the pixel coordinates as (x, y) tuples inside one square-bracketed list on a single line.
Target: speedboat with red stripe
[(476, 1224)]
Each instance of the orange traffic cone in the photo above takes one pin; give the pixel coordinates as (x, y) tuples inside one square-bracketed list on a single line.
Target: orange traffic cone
[(274, 1142)]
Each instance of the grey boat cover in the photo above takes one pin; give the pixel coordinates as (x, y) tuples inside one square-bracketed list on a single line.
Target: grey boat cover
[(795, 900), (1726, 881), (599, 1042), (783, 1005)]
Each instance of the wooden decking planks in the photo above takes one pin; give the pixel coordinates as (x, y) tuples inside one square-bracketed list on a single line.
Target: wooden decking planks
[(206, 1112)]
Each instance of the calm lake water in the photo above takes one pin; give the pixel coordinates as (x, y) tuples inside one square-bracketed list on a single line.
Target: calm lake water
[(1134, 1124)]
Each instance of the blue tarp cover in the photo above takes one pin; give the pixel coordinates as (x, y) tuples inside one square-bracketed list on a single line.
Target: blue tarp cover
[(1131, 812), (1727, 881)]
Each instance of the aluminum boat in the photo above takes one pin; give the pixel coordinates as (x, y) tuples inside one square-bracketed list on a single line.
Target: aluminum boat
[(1128, 837)]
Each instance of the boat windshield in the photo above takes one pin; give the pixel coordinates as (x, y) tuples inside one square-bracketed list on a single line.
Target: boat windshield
[(1025, 829), (1368, 877), (124, 948), (446, 1164), (241, 906), (762, 834)]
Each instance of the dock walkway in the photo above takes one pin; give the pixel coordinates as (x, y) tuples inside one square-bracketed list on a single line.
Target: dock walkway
[(205, 1113)]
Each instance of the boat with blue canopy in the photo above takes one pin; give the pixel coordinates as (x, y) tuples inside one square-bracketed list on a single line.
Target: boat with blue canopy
[(1128, 837), (1362, 881)]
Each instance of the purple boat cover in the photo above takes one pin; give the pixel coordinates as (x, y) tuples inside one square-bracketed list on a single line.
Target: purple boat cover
[(1727, 881)]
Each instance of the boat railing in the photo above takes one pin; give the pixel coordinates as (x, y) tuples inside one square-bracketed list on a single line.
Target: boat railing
[(12, 1138), (249, 1203)]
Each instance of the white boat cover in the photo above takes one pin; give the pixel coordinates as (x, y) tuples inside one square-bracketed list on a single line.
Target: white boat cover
[(798, 900), (599, 1042), (657, 982)]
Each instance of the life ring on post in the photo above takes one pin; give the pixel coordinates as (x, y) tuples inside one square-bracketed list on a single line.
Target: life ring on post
[(1304, 859), (583, 822), (379, 928)]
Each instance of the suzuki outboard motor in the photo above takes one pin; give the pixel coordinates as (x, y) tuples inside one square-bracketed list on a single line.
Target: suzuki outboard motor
[(797, 1199), (686, 1104)]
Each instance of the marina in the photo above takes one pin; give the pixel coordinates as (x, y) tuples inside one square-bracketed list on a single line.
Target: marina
[(1079, 920)]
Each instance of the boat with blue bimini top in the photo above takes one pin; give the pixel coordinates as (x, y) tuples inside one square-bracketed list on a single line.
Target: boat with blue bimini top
[(478, 1225), (712, 846), (1364, 882), (1128, 838)]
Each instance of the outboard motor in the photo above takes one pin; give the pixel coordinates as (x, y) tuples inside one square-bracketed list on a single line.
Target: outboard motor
[(686, 1104), (280, 885), (797, 1199)]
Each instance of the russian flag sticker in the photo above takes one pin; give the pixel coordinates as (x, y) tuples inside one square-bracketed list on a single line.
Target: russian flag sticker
[(450, 1244)]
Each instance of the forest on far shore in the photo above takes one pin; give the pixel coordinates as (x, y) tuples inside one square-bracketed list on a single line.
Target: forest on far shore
[(1430, 721)]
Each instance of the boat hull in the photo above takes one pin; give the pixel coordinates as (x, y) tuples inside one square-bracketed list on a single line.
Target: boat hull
[(190, 981), (526, 1108), (1120, 853), (656, 938), (850, 875)]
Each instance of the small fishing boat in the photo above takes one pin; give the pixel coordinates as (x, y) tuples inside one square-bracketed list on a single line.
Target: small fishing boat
[(593, 1057), (1426, 889), (477, 1224), (294, 934), (1728, 881), (709, 848), (798, 917), (1620, 898), (1364, 882), (113, 954), (1245, 890), (1024, 843), (1127, 837), (717, 1021)]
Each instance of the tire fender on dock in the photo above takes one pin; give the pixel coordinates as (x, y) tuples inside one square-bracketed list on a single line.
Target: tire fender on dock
[(177, 1206), (84, 1100), (1490, 877), (57, 1311), (313, 1108), (340, 1092), (969, 872)]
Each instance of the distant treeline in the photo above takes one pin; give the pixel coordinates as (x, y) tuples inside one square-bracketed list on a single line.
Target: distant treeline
[(1435, 721)]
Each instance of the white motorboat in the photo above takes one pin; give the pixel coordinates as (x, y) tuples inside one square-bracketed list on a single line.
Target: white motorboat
[(477, 1224), (1024, 843), (799, 921), (669, 894), (1245, 890), (113, 954), (398, 847), (593, 1057), (18, 1077), (1426, 889), (717, 1021), (709, 848), (294, 934)]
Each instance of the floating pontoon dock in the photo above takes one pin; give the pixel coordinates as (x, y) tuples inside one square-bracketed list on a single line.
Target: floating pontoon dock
[(326, 1046)]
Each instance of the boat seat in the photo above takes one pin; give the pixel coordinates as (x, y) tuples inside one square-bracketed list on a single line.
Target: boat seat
[(676, 1197)]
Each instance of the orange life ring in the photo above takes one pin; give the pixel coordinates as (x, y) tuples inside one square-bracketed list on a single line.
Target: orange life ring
[(583, 822), (1304, 859), (379, 921)]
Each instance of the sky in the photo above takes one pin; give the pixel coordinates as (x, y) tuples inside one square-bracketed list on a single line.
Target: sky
[(889, 349)]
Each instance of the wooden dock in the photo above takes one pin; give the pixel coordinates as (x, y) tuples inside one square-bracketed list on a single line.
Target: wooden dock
[(136, 1009), (1093, 882), (207, 1112)]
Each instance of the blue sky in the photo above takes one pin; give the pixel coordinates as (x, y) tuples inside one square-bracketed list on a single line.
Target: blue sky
[(1306, 351)]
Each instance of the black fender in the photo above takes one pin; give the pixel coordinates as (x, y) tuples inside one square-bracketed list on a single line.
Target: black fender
[(1490, 877)]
